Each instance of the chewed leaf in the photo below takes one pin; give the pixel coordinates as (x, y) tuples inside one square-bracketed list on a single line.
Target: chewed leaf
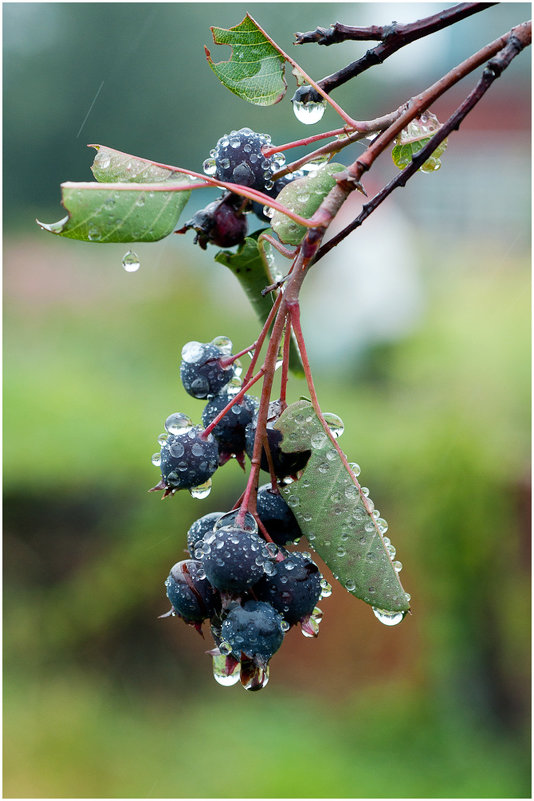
[(118, 212), (251, 271), (337, 517), (255, 70), (110, 166)]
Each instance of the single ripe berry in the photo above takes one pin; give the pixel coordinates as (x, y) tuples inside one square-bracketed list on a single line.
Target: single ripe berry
[(201, 370), (222, 223), (191, 595), (276, 516), (234, 559), (199, 528), (188, 459), (239, 159), (230, 431), (293, 589), (284, 464), (254, 629)]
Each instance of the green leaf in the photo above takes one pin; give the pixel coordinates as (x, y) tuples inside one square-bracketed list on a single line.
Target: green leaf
[(117, 212), (255, 70), (303, 196), (328, 504), (251, 271), (134, 201), (110, 166)]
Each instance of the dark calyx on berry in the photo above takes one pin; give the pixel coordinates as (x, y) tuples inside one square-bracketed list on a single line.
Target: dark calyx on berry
[(254, 629), (191, 595), (201, 370), (284, 464), (276, 516), (199, 528), (187, 459), (230, 431), (222, 223), (239, 159), (234, 559), (293, 589)]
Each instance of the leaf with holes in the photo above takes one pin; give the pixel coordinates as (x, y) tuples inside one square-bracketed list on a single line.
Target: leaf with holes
[(251, 270), (337, 517), (255, 69)]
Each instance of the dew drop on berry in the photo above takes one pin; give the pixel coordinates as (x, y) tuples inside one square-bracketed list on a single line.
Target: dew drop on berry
[(192, 352), (221, 674), (269, 568), (130, 262), (229, 520), (284, 625), (156, 459), (202, 491), (309, 113), (178, 423), (268, 211), (162, 439), (209, 166), (223, 343), (388, 618), (326, 589)]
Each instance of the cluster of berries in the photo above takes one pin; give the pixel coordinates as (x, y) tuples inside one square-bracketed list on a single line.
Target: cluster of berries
[(241, 576), (251, 591), (237, 158)]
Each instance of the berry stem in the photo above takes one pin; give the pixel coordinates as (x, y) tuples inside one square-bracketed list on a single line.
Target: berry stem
[(238, 396), (307, 140), (285, 364), (263, 333)]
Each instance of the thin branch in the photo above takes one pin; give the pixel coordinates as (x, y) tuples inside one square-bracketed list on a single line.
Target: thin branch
[(519, 39), (392, 38)]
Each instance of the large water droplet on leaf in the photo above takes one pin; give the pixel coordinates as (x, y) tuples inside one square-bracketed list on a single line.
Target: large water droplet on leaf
[(388, 618)]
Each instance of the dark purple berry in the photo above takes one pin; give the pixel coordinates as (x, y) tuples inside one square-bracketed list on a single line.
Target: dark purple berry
[(239, 159), (201, 370), (284, 464), (201, 527), (234, 559), (191, 595), (276, 516), (293, 589), (222, 223), (254, 629), (230, 431), (187, 459)]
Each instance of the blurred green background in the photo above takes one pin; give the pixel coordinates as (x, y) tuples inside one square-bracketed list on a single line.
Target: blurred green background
[(419, 332)]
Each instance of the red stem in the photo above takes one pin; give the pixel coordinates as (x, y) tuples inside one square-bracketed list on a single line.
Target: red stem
[(207, 431), (285, 364)]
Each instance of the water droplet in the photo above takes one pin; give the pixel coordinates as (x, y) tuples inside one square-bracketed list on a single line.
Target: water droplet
[(258, 679), (162, 439), (335, 424), (293, 501), (272, 549), (309, 113), (93, 234), (398, 566), (210, 167), (318, 439), (268, 211), (130, 262), (388, 618), (326, 589), (356, 469), (229, 519), (284, 625), (225, 164), (224, 344), (178, 423), (202, 491), (192, 352), (269, 568), (350, 585), (103, 161), (156, 459), (225, 672), (341, 551)]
